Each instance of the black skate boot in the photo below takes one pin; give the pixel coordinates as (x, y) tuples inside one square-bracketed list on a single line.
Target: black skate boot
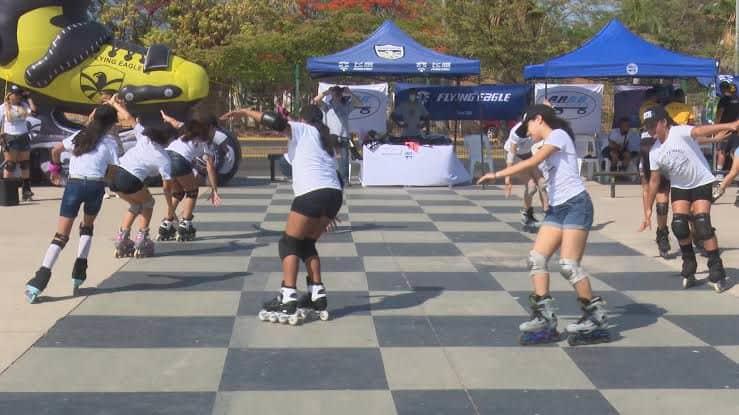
[(314, 302), (663, 241), (592, 326), (27, 194), (281, 309), (690, 266), (167, 230), (37, 284), (79, 274), (185, 230), (716, 273), (542, 327), (529, 222)]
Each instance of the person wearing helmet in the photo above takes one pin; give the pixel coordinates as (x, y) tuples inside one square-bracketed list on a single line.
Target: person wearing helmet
[(726, 112)]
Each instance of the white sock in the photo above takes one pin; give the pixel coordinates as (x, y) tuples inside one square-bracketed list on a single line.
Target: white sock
[(51, 256), (84, 247), (288, 294)]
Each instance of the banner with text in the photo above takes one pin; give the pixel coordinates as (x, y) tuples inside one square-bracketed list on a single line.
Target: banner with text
[(480, 102), (580, 104)]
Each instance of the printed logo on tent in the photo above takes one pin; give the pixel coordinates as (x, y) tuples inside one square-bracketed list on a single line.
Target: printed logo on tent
[(632, 69), (422, 66), (344, 66), (390, 52), (572, 104), (423, 97), (370, 104), (96, 79)]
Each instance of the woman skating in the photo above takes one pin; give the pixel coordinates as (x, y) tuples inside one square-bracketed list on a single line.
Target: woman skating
[(14, 112), (565, 228)]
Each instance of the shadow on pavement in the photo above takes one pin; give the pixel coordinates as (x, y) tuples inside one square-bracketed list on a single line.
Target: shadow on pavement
[(390, 302)]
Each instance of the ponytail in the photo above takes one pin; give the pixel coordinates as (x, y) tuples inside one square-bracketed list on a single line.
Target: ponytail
[(556, 123), (313, 116), (87, 139)]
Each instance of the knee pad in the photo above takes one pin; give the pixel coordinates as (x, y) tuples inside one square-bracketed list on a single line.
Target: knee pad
[(10, 166), (538, 263), (702, 226), (289, 246), (149, 204), (681, 226), (25, 164), (60, 240), (192, 194), (86, 230), (571, 270), (135, 208), (662, 209), (178, 195), (309, 249)]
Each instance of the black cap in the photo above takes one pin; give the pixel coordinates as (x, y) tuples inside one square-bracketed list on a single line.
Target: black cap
[(15, 89), (653, 115), (545, 111)]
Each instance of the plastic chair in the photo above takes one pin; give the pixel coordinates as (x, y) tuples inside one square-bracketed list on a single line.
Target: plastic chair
[(587, 155), (472, 144)]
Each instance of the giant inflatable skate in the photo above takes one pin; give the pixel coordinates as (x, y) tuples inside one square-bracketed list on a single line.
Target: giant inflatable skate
[(54, 49)]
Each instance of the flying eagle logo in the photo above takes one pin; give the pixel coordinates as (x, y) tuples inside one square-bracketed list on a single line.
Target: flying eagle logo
[(94, 80)]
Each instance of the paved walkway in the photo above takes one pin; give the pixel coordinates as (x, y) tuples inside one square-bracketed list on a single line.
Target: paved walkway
[(426, 288)]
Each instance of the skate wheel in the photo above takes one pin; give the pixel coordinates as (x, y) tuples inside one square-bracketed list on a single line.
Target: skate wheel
[(302, 313), (263, 315), (293, 320), (32, 294), (273, 318), (323, 315)]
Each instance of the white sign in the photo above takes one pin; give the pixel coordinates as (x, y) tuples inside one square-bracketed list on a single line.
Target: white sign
[(580, 104), (372, 115), (390, 52)]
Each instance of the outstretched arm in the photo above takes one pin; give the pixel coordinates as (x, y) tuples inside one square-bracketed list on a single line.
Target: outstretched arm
[(709, 130), (271, 119), (546, 151)]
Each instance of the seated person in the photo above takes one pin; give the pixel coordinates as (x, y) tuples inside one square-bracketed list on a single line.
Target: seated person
[(623, 145), (410, 115)]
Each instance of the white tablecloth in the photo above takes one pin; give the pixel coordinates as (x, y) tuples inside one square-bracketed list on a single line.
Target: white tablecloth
[(399, 165)]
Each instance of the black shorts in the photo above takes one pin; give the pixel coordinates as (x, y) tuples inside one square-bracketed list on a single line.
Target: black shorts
[(606, 153), (125, 182), (319, 203), (180, 165), (704, 192), (19, 143), (730, 144), (524, 156)]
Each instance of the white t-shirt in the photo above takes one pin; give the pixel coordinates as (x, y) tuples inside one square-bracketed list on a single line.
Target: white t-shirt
[(313, 167), (191, 149), (15, 123), (680, 158), (564, 181), (523, 144), (146, 159), (632, 139), (95, 162)]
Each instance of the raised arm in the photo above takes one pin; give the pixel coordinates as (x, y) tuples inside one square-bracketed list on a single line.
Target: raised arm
[(318, 99), (709, 130), (124, 117), (271, 119), (171, 120)]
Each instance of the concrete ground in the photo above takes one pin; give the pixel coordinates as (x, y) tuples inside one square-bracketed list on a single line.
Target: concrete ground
[(426, 286)]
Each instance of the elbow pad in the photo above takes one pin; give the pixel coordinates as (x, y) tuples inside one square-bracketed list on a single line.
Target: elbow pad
[(274, 121)]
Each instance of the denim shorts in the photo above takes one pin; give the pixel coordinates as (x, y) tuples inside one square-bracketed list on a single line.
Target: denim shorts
[(576, 213), (18, 142), (125, 182), (80, 191), (180, 165)]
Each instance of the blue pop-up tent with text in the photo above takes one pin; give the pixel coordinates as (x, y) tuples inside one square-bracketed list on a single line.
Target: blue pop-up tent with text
[(616, 52), (389, 51)]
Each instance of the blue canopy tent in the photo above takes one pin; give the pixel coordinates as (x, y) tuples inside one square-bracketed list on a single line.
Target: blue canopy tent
[(389, 51), (616, 52)]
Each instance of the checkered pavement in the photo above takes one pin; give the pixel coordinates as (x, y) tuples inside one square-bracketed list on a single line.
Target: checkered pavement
[(426, 289)]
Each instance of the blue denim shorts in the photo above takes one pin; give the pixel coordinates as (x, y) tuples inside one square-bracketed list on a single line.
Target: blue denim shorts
[(18, 142), (78, 192), (576, 213), (180, 165)]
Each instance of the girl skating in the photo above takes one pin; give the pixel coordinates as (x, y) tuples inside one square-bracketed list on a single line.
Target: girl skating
[(195, 142), (680, 158), (93, 151), (14, 112), (318, 198), (147, 158), (565, 227)]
